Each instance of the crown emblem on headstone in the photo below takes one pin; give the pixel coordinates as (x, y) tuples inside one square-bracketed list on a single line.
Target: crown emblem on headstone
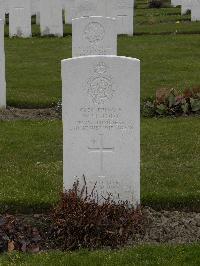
[(94, 32), (100, 86), (100, 68)]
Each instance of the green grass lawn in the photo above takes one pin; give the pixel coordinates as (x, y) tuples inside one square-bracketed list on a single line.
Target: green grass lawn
[(31, 168), (33, 70), (142, 255), (31, 152), (33, 65), (31, 163), (168, 57)]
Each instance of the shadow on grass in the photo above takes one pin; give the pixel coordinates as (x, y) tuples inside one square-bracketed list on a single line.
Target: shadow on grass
[(190, 203)]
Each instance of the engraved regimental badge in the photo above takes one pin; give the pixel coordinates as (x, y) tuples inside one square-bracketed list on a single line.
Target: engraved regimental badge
[(94, 32), (100, 86)]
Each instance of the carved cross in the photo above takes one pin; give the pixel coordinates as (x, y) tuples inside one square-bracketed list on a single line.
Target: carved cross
[(101, 150)]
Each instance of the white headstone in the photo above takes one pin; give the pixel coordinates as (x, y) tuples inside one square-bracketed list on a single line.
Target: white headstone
[(2, 9), (7, 6), (38, 18), (101, 121), (2, 67), (87, 8), (94, 36), (20, 18), (123, 11), (68, 6), (35, 10), (176, 2), (195, 12), (51, 22), (34, 6)]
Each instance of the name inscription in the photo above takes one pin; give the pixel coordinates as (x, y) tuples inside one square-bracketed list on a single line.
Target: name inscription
[(93, 50), (101, 118), (106, 187)]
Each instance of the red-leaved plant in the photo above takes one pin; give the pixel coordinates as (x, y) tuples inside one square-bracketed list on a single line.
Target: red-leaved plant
[(170, 102), (80, 222)]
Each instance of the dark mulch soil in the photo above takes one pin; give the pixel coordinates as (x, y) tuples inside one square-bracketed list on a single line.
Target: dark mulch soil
[(32, 232), (29, 114)]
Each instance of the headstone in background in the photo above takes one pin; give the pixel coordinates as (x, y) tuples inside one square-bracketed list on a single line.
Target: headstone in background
[(195, 12), (2, 9), (87, 8), (35, 10), (7, 4), (20, 18), (101, 122), (51, 22), (123, 12), (68, 6), (34, 7), (94, 36), (38, 18), (176, 2), (2, 67)]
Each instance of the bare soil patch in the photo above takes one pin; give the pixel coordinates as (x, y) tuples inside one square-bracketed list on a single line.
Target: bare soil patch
[(169, 227), (11, 113)]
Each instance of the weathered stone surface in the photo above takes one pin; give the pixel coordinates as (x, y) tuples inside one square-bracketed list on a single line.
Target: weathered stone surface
[(86, 8), (2, 9), (20, 18), (101, 119), (68, 6), (35, 6), (51, 22), (122, 10), (94, 36)]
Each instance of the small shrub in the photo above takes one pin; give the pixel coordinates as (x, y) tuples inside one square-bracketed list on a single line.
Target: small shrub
[(188, 12), (158, 3), (80, 222), (170, 102)]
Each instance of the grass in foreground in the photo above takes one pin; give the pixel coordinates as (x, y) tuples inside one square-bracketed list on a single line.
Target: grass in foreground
[(31, 163), (142, 255), (170, 163)]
